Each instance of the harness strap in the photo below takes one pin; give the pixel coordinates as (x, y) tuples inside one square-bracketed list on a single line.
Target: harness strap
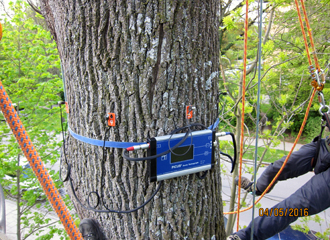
[(326, 118), (318, 145)]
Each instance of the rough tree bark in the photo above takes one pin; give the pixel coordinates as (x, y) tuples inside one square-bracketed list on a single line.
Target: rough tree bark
[(144, 61)]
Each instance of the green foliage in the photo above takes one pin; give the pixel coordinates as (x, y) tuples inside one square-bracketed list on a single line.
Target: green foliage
[(229, 23), (30, 73), (271, 155), (285, 82), (303, 226)]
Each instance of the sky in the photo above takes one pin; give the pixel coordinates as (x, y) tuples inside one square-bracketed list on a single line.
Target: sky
[(4, 9)]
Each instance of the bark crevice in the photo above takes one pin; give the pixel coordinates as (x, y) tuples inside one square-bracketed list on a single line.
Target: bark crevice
[(155, 70)]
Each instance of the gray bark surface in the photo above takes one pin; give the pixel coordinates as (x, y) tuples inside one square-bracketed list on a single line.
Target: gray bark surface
[(144, 61)]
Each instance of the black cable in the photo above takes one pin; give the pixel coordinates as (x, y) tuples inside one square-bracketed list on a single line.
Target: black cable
[(107, 209), (105, 134), (233, 162), (203, 176), (230, 158), (127, 157), (172, 150), (68, 177), (222, 107), (191, 142), (63, 136), (235, 152)]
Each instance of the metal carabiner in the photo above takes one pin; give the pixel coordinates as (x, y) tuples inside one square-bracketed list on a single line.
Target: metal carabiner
[(317, 77), (321, 98), (322, 107)]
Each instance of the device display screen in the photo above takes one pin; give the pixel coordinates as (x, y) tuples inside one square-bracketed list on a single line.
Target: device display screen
[(182, 154)]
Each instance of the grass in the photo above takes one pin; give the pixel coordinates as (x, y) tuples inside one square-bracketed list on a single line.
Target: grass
[(271, 155)]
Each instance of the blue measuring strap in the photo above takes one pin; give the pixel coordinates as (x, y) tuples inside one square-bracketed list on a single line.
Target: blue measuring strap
[(100, 143), (214, 125), (111, 144)]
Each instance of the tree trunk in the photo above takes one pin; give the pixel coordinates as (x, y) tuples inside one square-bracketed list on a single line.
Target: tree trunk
[(143, 61)]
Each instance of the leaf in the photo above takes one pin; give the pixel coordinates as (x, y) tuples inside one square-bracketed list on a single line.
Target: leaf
[(228, 22)]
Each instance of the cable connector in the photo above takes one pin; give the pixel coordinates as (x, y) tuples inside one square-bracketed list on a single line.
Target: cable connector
[(138, 147), (221, 134)]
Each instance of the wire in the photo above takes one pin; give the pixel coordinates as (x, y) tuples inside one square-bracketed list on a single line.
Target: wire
[(231, 159), (68, 177), (221, 110), (107, 209), (63, 136), (302, 125), (171, 149), (127, 157), (235, 151), (285, 161)]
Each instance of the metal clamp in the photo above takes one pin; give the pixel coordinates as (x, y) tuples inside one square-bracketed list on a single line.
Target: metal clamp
[(322, 107), (321, 98), (315, 75)]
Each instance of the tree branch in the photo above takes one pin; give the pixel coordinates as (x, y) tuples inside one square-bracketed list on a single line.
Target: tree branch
[(34, 7), (38, 228)]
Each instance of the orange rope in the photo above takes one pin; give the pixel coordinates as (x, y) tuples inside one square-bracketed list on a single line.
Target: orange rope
[(309, 30), (37, 165), (246, 24), (287, 157), (0, 31), (303, 32), (306, 114)]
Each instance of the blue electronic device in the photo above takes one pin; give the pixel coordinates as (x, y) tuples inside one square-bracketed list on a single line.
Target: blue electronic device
[(195, 154)]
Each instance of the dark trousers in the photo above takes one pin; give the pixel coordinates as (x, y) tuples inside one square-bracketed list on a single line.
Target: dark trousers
[(313, 195)]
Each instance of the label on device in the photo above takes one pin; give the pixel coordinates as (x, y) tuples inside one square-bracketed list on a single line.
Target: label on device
[(194, 155)]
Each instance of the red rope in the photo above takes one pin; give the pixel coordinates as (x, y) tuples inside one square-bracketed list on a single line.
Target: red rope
[(246, 24), (37, 165), (303, 32), (286, 159), (309, 30), (306, 114)]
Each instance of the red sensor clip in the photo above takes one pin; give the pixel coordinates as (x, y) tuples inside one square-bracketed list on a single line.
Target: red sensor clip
[(189, 112), (112, 119), (66, 107)]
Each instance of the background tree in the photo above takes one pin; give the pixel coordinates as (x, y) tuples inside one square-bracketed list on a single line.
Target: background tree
[(144, 61), (285, 78), (30, 71)]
